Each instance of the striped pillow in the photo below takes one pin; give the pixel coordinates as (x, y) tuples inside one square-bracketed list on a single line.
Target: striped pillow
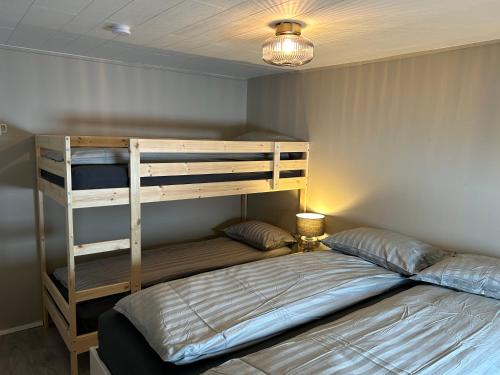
[(476, 274), (260, 235), (390, 250)]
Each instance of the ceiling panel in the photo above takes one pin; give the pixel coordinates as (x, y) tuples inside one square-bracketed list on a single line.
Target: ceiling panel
[(170, 33)]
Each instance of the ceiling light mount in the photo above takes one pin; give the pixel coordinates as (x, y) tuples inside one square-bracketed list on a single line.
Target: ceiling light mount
[(288, 47)]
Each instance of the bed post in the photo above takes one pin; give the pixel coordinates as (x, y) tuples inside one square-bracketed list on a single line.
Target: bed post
[(70, 245), (303, 192), (244, 206), (41, 232), (135, 215)]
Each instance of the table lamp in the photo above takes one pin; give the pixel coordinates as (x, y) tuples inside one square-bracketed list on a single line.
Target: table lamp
[(310, 226)]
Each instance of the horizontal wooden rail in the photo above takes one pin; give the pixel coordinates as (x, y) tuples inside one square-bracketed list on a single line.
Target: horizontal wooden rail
[(216, 189), (56, 295), (218, 167), (100, 197), (93, 141), (52, 166), (101, 247), (57, 318), (207, 146), (52, 142), (85, 342), (102, 291), (53, 191)]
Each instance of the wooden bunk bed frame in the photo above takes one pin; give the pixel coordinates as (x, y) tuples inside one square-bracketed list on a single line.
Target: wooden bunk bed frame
[(62, 311)]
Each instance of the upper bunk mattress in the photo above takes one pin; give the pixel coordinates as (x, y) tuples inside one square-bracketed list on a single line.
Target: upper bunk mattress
[(217, 312), (107, 176), (424, 330)]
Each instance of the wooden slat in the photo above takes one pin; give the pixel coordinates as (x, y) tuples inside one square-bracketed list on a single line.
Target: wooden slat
[(58, 320), (135, 215), (100, 197), (52, 166), (98, 141), (85, 342), (51, 142), (303, 191), (56, 295), (208, 146), (54, 191), (102, 291), (102, 247), (219, 167), (276, 164), (215, 189)]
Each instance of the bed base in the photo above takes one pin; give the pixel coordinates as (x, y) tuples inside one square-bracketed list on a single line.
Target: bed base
[(62, 311), (97, 366)]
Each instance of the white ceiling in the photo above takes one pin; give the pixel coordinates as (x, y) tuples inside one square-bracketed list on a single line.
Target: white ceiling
[(195, 34)]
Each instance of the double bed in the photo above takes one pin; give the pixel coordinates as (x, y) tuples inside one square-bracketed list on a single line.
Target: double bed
[(328, 312)]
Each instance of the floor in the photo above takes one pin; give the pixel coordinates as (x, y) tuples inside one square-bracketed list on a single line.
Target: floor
[(37, 351)]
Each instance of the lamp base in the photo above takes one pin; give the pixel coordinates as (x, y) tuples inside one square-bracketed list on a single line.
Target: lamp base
[(308, 243)]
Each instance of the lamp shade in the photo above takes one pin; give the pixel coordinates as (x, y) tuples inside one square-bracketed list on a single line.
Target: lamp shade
[(310, 224)]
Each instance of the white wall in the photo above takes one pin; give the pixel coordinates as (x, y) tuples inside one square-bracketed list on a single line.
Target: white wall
[(410, 144), (46, 94)]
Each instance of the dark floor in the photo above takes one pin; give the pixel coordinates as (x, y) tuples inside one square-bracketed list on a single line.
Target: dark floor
[(37, 351)]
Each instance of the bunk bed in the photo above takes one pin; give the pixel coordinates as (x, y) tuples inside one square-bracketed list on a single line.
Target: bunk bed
[(144, 171)]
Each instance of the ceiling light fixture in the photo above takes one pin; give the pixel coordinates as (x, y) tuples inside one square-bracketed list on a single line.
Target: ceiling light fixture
[(288, 47), (118, 29)]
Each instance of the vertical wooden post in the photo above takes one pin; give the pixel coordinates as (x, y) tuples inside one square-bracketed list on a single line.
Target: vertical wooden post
[(135, 215), (41, 233), (276, 164), (303, 192), (70, 242), (244, 206)]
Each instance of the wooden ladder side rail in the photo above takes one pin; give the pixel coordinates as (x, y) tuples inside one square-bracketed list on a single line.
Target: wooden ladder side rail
[(70, 246)]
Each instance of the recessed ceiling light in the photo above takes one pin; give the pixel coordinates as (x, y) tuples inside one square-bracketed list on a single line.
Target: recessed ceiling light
[(118, 28), (288, 47)]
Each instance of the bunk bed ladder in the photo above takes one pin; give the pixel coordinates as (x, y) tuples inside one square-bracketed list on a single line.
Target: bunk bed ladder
[(63, 311)]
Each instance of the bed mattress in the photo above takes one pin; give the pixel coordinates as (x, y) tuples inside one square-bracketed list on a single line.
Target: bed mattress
[(425, 330), (126, 352), (108, 176), (158, 265)]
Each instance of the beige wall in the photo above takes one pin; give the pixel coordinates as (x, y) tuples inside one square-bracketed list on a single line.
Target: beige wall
[(410, 144), (47, 94)]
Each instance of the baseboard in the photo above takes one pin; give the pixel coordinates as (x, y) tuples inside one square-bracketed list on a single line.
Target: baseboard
[(21, 328)]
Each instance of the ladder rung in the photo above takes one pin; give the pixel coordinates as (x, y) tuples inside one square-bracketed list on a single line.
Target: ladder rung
[(102, 291), (101, 247)]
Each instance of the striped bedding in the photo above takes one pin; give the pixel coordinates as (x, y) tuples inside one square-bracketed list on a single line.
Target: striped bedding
[(167, 263), (221, 311), (424, 330)]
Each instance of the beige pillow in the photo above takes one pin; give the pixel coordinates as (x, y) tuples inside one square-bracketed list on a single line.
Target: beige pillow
[(260, 235)]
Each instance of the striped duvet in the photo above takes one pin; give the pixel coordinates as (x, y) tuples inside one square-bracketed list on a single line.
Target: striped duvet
[(209, 314), (424, 330)]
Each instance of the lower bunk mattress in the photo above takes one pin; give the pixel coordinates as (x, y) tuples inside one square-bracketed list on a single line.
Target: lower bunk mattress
[(108, 176), (158, 265), (125, 351)]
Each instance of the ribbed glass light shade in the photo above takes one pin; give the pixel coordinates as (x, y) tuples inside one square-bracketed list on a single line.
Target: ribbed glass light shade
[(287, 50)]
